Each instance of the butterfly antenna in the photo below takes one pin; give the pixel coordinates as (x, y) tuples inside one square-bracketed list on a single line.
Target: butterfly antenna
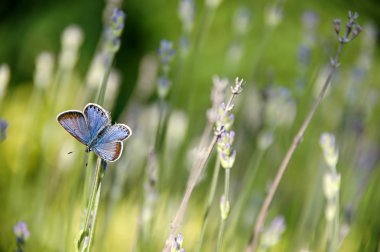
[(71, 152)]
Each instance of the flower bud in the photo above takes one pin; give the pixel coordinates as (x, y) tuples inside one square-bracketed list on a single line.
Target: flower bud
[(327, 143), (224, 207), (331, 185)]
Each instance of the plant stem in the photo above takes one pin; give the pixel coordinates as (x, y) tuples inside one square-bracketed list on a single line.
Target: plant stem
[(96, 207), (211, 196), (86, 187), (200, 35), (253, 243), (246, 189), (196, 171), (190, 187), (92, 208), (102, 90), (336, 223), (224, 218), (333, 224)]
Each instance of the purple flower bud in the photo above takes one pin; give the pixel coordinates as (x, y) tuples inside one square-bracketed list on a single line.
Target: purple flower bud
[(117, 21), (166, 51), (3, 129), (21, 231)]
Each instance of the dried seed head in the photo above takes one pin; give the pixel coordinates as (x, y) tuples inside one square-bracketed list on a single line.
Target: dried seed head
[(356, 31), (337, 23), (353, 15), (238, 88)]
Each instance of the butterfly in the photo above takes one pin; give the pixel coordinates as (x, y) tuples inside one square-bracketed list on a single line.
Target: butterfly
[(93, 128)]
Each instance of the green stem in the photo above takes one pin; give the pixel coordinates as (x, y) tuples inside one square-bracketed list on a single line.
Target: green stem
[(89, 224), (162, 121), (252, 168), (336, 223), (96, 207), (102, 90), (264, 42), (202, 31), (330, 231), (86, 187), (222, 226), (211, 197), (220, 235)]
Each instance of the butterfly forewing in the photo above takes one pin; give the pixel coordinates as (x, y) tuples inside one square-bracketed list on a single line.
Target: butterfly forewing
[(116, 132), (74, 122), (97, 119), (108, 151)]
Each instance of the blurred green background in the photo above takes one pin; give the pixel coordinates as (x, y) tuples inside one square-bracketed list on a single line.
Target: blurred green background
[(283, 65)]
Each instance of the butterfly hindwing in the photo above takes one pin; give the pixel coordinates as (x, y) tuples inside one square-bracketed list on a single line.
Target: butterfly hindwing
[(110, 151), (97, 119), (112, 133), (73, 121)]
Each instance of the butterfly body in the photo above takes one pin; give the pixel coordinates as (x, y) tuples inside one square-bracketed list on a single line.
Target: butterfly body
[(93, 128)]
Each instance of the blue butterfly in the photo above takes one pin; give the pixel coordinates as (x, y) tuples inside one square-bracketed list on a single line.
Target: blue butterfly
[(93, 128)]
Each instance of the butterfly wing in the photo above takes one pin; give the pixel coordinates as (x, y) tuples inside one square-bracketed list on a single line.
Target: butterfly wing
[(73, 121), (109, 145), (116, 132), (97, 119), (110, 151)]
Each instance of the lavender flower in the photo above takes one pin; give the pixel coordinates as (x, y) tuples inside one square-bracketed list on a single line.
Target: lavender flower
[(22, 233), (177, 244), (272, 234), (217, 97), (304, 53), (4, 79), (265, 140), (3, 129), (241, 20), (227, 155), (112, 34), (280, 109), (225, 118), (186, 14), (273, 15), (213, 4), (72, 39), (224, 207), (331, 179), (327, 143), (117, 22), (310, 20), (166, 51), (43, 74), (163, 86), (166, 55)]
